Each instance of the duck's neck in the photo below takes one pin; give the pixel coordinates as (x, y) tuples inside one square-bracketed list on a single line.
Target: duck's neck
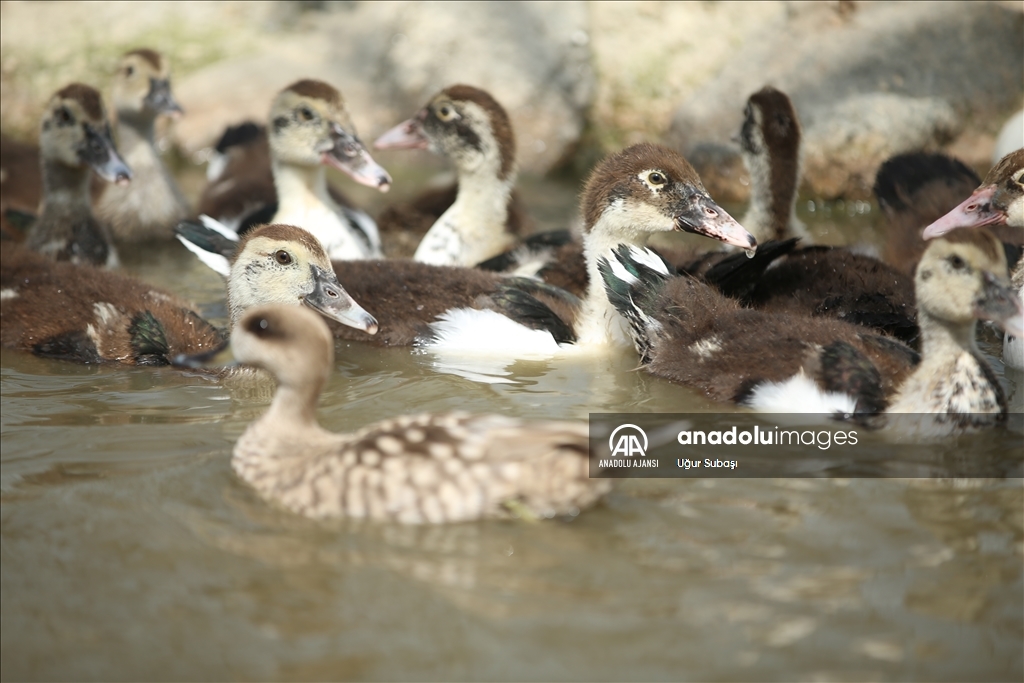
[(773, 186), (473, 228), (300, 188), (941, 340), (288, 424), (65, 190), (599, 322)]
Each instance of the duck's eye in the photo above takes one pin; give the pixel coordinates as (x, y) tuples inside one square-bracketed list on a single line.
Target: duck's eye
[(306, 114), (129, 70), (446, 112), (656, 179), (1019, 178), (258, 326), (956, 262), (64, 116), (283, 257)]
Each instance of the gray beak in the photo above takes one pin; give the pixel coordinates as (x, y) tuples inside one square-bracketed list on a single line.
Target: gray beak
[(332, 301)]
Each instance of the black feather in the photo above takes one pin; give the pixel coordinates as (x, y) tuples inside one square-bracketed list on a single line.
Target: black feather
[(205, 238)]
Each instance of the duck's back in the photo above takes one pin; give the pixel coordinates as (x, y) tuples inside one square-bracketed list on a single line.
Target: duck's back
[(88, 315)]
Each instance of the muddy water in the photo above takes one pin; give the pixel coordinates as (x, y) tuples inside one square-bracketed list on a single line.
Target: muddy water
[(130, 551)]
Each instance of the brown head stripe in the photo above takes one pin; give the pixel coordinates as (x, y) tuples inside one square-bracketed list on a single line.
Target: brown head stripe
[(317, 90), (86, 96), (284, 233), (151, 56)]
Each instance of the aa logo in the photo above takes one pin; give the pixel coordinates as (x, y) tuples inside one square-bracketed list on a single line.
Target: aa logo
[(628, 441)]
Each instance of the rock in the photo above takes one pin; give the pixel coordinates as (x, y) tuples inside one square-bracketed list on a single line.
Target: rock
[(389, 58), (868, 83)]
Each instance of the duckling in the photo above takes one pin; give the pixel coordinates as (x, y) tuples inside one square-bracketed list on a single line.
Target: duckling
[(817, 280), (629, 195), (74, 137), (409, 469), (687, 332), (88, 315), (468, 126), (310, 128), (770, 143), (998, 201), (152, 204), (643, 189), (85, 314)]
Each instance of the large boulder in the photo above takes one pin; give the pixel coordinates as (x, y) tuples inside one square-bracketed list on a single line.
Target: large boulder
[(874, 80)]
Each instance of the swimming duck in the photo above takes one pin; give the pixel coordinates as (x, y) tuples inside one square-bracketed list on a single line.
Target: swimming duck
[(469, 127), (88, 315), (152, 204), (74, 137), (689, 333), (998, 201), (309, 128), (410, 469), (643, 189)]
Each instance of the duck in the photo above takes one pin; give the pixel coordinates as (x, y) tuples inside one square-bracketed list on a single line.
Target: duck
[(86, 314), (74, 140), (309, 128), (643, 189), (152, 204), (410, 469), (999, 200), (483, 216), (811, 279), (687, 332)]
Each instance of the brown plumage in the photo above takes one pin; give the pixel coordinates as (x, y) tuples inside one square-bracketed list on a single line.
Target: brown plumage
[(21, 186), (88, 315)]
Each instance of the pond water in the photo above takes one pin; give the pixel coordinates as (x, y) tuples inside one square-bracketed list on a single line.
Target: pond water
[(130, 551)]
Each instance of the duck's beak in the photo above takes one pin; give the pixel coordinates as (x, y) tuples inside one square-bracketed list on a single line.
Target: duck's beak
[(999, 304), (348, 154), (99, 152), (975, 211), (332, 301), (406, 135), (160, 99), (703, 216)]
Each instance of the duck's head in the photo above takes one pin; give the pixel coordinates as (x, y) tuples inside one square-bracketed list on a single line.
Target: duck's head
[(289, 342), (309, 125), (770, 139), (1000, 199), (75, 132), (962, 278), (648, 188), (142, 86), (464, 124), (282, 264)]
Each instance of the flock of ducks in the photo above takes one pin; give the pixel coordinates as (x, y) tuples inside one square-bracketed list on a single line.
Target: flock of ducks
[(765, 320)]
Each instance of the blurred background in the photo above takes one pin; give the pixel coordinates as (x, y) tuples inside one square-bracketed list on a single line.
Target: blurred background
[(869, 79)]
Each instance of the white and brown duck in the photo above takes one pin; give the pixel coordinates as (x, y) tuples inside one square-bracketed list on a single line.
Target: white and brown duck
[(415, 469), (482, 216), (89, 315), (689, 333), (74, 141), (152, 204), (630, 195), (309, 129)]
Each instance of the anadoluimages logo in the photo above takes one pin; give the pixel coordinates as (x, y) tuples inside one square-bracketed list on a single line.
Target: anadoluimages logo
[(628, 443)]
